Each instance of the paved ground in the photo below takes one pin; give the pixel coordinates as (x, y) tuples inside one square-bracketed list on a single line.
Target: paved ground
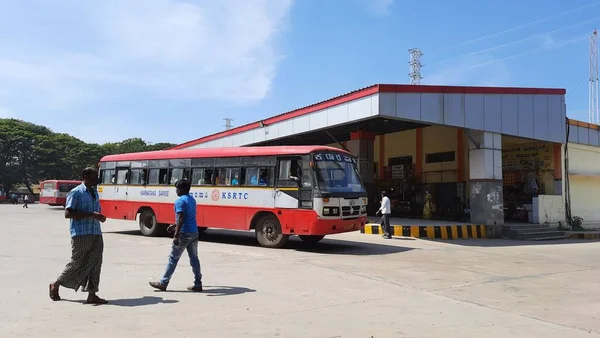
[(351, 285)]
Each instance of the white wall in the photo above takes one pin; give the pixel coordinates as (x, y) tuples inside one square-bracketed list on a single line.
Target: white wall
[(550, 209), (584, 179)]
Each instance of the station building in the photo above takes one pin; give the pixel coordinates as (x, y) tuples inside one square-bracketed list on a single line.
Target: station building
[(486, 155)]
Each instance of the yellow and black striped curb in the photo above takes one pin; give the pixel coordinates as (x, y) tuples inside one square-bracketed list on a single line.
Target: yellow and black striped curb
[(431, 231), (579, 235)]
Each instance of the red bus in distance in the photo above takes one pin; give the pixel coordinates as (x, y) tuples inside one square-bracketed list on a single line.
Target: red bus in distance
[(54, 192)]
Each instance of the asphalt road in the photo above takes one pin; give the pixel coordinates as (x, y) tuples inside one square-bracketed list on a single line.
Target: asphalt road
[(350, 285)]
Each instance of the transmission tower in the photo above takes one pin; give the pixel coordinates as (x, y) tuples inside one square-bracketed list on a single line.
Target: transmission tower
[(415, 66), (594, 113), (228, 123)]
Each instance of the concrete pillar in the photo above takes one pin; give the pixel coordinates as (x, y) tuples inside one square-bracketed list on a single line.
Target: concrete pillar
[(558, 168), (362, 145), (485, 178)]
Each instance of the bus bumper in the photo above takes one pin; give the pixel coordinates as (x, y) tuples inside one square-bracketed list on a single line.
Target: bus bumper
[(336, 226)]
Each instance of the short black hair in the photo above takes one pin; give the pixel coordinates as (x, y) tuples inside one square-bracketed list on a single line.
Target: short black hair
[(184, 186), (87, 172)]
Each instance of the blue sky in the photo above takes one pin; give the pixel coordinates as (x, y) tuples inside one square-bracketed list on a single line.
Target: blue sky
[(171, 70)]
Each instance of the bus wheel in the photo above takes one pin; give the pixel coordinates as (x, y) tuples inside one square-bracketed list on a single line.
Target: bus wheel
[(308, 239), (148, 224), (269, 234)]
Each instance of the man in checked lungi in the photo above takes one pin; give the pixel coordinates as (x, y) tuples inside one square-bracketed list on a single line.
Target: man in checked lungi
[(87, 246)]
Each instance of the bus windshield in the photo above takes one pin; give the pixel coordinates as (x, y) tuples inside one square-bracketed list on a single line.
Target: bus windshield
[(337, 173)]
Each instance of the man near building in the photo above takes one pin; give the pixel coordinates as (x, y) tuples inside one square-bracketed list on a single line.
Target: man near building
[(185, 238), (87, 246), (385, 211)]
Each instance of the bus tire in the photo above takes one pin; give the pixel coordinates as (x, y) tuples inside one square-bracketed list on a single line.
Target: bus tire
[(311, 239), (269, 233), (148, 224)]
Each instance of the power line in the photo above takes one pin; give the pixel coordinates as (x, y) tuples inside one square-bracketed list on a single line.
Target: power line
[(520, 26), (585, 77), (517, 41), (555, 45)]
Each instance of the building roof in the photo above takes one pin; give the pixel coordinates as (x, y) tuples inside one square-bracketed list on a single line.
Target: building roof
[(366, 91), (218, 152)]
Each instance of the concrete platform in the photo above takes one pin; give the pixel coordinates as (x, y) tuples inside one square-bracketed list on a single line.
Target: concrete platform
[(348, 286), (592, 235), (430, 229)]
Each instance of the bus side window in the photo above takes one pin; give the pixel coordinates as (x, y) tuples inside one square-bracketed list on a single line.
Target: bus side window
[(122, 176), (251, 178), (163, 176), (107, 176), (153, 176), (287, 170), (178, 174), (197, 176), (216, 176), (138, 176), (266, 176), (235, 176), (208, 176)]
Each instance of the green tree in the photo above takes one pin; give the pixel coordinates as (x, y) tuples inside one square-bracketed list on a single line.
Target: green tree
[(30, 153)]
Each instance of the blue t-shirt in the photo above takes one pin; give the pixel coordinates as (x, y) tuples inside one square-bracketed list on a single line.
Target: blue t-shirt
[(186, 204)]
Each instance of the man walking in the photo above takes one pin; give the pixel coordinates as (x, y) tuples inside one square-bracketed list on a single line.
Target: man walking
[(87, 246), (26, 201), (185, 238), (385, 211)]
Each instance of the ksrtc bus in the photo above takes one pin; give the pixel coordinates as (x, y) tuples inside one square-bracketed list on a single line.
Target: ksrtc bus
[(54, 192), (309, 191)]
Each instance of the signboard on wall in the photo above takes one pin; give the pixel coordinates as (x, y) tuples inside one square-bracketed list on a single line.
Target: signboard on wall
[(398, 171), (532, 156)]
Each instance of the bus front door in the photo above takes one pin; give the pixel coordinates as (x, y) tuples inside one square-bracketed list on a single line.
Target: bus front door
[(286, 186), (120, 187)]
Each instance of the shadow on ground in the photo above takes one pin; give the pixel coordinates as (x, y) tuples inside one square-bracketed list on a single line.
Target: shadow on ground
[(131, 302), (329, 246), (491, 243), (214, 291)]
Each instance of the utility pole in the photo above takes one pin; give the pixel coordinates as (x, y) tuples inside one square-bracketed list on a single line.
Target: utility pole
[(228, 121), (594, 113), (415, 66)]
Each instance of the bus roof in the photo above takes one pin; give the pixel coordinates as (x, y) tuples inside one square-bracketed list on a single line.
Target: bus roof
[(219, 152), (60, 181)]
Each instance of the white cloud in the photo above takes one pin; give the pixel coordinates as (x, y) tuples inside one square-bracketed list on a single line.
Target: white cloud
[(75, 52), (381, 7), (481, 70)]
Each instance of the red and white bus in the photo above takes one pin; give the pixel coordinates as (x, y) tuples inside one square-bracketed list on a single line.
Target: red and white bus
[(54, 192), (309, 191)]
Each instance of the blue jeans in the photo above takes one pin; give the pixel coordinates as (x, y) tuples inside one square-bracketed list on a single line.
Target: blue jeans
[(189, 242)]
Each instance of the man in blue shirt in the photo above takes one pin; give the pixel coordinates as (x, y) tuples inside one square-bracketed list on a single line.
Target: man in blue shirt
[(185, 238), (87, 246)]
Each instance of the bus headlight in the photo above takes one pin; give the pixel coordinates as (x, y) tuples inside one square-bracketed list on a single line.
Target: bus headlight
[(331, 211)]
